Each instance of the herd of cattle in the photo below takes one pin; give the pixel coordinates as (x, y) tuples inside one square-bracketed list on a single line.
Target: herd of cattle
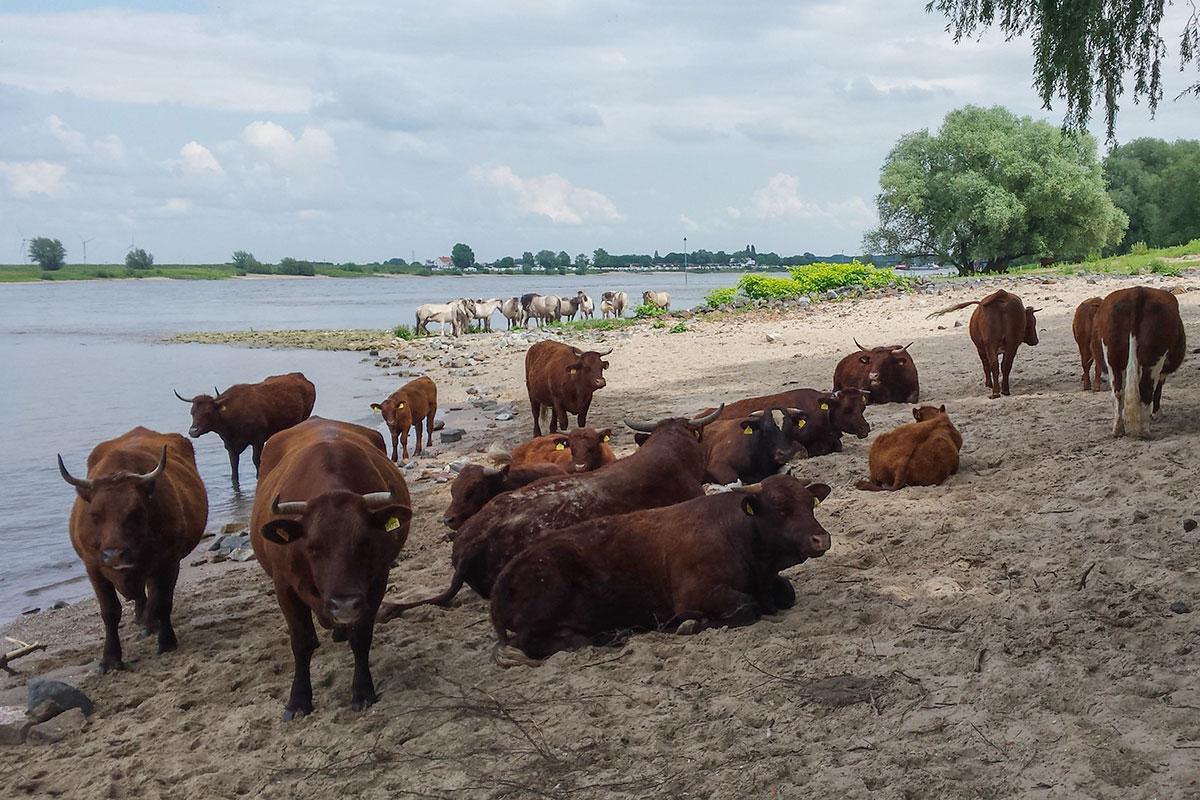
[(670, 549), (464, 312)]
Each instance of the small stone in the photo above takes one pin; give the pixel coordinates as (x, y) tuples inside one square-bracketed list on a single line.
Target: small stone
[(64, 695), (772, 337), (451, 435), (242, 554), (373, 353), (438, 424), (958, 324), (57, 729), (197, 562), (504, 416), (14, 725), (1180, 608), (1189, 525), (30, 610), (63, 603), (233, 527)]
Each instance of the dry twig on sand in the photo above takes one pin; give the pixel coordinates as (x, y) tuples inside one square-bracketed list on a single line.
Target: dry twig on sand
[(23, 649)]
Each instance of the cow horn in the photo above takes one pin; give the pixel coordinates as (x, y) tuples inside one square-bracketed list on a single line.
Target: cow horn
[(216, 391), (756, 413), (606, 352), (491, 472), (290, 507), (577, 352), (1033, 310), (150, 476), (184, 399), (707, 418), (795, 410), (71, 479), (910, 344), (859, 346), (378, 499), (640, 426), (753, 488)]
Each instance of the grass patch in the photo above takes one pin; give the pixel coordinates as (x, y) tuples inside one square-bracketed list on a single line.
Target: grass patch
[(404, 332), (593, 324), (648, 311)]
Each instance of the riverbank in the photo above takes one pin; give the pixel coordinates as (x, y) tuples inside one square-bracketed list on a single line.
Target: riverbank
[(1024, 630)]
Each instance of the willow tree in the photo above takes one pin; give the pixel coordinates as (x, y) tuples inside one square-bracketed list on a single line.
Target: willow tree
[(1084, 48), (993, 187)]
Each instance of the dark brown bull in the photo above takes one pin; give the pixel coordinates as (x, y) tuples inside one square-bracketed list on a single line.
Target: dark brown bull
[(888, 374), (561, 379), (476, 484), (753, 447), (998, 327), (247, 414), (708, 562), (1138, 332), (922, 453), (828, 415), (668, 468), (141, 509), (581, 450), (412, 404), (330, 515)]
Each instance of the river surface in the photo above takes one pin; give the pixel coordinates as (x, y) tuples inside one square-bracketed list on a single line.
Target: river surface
[(85, 361)]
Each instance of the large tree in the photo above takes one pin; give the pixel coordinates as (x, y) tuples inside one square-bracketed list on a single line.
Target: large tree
[(1084, 48), (546, 260), (139, 259), (994, 187), (48, 252), (462, 256), (1158, 185)]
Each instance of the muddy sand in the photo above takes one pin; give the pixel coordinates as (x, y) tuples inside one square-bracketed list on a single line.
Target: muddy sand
[(1024, 630)]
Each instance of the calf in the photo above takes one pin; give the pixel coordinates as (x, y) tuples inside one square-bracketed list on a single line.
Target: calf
[(476, 484), (753, 447), (141, 509), (412, 404), (922, 453), (708, 562), (667, 469), (560, 380), (1139, 334), (330, 516), (581, 450), (247, 414), (657, 299), (887, 374), (998, 327), (613, 303)]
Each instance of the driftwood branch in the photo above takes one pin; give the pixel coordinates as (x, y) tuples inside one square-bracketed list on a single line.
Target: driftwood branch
[(23, 649)]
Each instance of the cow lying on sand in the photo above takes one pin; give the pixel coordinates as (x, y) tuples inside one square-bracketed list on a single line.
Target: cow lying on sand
[(476, 484), (580, 450), (922, 453), (887, 374), (709, 562)]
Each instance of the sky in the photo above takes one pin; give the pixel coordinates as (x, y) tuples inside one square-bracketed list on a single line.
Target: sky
[(361, 131)]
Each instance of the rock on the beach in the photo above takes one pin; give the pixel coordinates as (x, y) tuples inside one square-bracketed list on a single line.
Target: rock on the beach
[(14, 725), (1180, 608), (242, 554), (504, 416), (233, 527), (48, 698), (451, 435), (1189, 525), (57, 729)]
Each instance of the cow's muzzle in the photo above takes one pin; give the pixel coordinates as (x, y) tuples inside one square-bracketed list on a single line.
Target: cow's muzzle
[(345, 610)]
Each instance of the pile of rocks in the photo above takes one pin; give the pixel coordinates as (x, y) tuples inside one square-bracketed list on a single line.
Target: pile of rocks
[(54, 711)]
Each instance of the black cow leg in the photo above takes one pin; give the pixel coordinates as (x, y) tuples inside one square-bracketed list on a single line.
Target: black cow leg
[(362, 688), (161, 601), (782, 592), (304, 642), (234, 458), (110, 612)]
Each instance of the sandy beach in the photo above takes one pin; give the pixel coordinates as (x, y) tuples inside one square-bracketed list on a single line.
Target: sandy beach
[(1008, 634)]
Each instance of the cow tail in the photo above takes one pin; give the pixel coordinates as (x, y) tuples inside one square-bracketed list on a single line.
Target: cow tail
[(504, 654), (389, 611), (544, 416), (1135, 413)]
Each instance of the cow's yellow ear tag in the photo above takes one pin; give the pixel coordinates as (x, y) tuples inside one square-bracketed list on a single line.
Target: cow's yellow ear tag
[(607, 437), (749, 509), (572, 371), (559, 446), (400, 405), (747, 430), (816, 502), (800, 423), (224, 409), (283, 534), (824, 406), (391, 524)]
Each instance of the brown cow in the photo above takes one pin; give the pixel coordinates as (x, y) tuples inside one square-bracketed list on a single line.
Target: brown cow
[(708, 562), (888, 374), (667, 469), (561, 379), (410, 405), (753, 447), (1083, 327), (581, 450), (828, 415), (1139, 333), (922, 453), (141, 509), (476, 484), (330, 515), (247, 414), (998, 326)]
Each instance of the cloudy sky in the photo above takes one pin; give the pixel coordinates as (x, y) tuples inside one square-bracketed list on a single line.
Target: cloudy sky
[(363, 130)]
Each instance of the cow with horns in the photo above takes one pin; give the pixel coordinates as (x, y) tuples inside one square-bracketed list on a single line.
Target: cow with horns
[(886, 373)]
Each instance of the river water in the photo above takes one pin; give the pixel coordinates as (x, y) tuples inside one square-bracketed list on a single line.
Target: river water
[(85, 361)]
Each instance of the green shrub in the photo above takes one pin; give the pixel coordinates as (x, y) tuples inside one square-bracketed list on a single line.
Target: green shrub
[(720, 297), (1160, 267), (658, 323), (648, 310), (1139, 248), (678, 328), (759, 287), (821, 277), (404, 332)]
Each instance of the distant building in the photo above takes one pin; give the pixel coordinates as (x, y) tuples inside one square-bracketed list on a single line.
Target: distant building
[(441, 264)]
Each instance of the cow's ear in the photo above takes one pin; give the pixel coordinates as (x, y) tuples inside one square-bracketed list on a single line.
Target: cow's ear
[(800, 419), (400, 404), (640, 438), (574, 368), (750, 424), (943, 408), (749, 505), (864, 359), (605, 434), (377, 407), (917, 414), (819, 492), (901, 361), (282, 531), (391, 518), (560, 441), (604, 364)]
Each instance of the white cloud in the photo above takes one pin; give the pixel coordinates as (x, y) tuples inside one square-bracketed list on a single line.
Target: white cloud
[(35, 177), (176, 206), (688, 224), (313, 150), (198, 160), (550, 195), (734, 213), (74, 141), (109, 148), (780, 198)]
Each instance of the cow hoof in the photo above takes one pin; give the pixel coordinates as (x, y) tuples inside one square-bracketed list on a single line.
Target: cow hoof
[(339, 634), (167, 647), (361, 705), (687, 627), (104, 667), (296, 713)]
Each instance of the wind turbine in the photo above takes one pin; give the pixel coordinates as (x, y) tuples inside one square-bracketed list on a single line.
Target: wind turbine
[(24, 249), (85, 241)]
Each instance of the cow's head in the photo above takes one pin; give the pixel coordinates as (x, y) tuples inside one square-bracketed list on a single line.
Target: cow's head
[(888, 373), (782, 508), (207, 411), (586, 372), (119, 512), (846, 408), (587, 448), (771, 433), (1031, 326), (927, 412), (471, 490), (673, 426), (395, 411), (344, 537)]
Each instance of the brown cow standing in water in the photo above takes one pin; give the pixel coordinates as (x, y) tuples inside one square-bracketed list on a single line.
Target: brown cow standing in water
[(922, 453), (411, 405), (330, 515), (141, 509), (1083, 328), (561, 380), (998, 327), (1139, 333), (247, 414)]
